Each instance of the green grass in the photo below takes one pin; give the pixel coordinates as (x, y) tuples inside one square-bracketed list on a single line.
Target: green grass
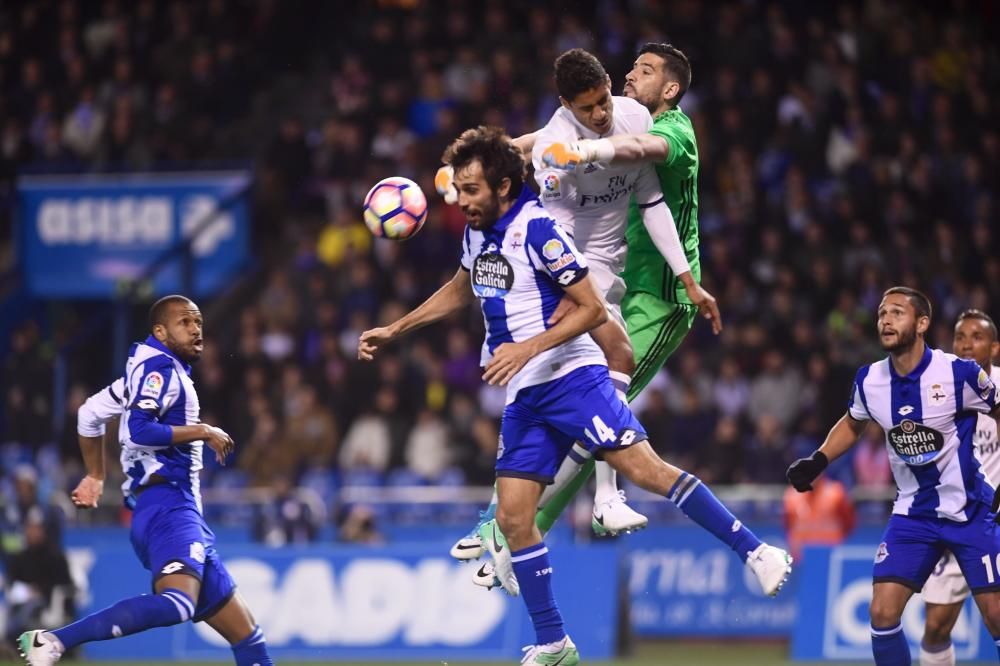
[(726, 653), (646, 654)]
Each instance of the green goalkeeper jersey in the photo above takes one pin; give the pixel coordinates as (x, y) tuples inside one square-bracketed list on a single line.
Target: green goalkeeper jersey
[(645, 268)]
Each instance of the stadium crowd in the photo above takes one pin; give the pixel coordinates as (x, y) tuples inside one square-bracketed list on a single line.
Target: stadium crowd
[(844, 148)]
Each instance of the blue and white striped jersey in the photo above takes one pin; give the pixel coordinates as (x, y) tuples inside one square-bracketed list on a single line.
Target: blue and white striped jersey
[(516, 269), (930, 417), (158, 392)]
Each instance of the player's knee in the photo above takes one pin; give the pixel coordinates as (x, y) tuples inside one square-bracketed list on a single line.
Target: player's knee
[(515, 525), (936, 631), (884, 615)]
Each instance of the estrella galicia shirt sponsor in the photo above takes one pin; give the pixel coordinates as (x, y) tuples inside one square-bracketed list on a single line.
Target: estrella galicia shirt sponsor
[(930, 418), (518, 269)]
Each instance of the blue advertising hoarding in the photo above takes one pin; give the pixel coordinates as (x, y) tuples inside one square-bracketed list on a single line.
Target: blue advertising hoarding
[(836, 586), (83, 236), (362, 603), (684, 582)]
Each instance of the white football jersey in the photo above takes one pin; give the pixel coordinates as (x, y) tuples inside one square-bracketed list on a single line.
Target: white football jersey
[(985, 440), (591, 203), (517, 269), (101, 408), (929, 417)]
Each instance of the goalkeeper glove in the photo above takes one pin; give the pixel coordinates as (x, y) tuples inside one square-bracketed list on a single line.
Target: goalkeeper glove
[(804, 471), (444, 183), (567, 156)]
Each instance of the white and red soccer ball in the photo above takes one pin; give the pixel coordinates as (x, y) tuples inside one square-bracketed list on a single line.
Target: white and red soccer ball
[(395, 208)]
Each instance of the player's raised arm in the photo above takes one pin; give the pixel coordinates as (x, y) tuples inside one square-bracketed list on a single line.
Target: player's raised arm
[(455, 295), (621, 149), (841, 437)]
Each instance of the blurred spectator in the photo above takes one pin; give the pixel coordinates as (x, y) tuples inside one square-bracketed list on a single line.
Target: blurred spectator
[(37, 585), (821, 517), (285, 520), (357, 524)]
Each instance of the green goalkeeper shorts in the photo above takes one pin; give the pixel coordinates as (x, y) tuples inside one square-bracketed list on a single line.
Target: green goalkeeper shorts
[(656, 328)]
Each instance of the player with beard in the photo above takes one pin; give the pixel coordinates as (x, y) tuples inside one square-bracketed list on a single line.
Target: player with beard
[(946, 589), (162, 440), (928, 403), (520, 264)]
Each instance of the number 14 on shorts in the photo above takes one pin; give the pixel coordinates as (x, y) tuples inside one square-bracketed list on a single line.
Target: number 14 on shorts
[(606, 435)]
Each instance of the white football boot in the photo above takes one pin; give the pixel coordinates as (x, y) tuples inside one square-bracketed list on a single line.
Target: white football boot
[(495, 544), (613, 516), (772, 566), (39, 648)]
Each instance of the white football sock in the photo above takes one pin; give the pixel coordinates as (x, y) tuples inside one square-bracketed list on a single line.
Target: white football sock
[(607, 482), (944, 657), (570, 467)]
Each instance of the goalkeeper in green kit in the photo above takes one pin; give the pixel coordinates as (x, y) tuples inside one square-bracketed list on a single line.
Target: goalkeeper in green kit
[(657, 310)]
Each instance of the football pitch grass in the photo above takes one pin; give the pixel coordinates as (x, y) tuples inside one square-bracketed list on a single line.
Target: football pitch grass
[(645, 654)]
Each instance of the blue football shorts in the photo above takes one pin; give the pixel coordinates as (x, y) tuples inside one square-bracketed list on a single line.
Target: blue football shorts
[(170, 536), (538, 429), (911, 547)]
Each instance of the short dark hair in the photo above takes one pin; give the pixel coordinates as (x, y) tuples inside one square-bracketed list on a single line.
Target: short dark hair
[(158, 313), (674, 61), (578, 71), (976, 313), (495, 152), (920, 303)]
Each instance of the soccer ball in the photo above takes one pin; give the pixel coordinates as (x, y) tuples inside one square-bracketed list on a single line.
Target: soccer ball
[(395, 208)]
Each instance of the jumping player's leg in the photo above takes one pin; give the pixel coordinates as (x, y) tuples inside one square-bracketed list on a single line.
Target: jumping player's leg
[(656, 329), (611, 428)]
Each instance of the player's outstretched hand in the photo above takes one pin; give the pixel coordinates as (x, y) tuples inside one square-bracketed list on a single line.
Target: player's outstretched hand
[(444, 183), (87, 493), (219, 441), (804, 471), (706, 305), (507, 361), (566, 305), (371, 340), (564, 156)]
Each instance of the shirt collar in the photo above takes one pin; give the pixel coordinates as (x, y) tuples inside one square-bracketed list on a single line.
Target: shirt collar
[(925, 360), (508, 217), (156, 344)]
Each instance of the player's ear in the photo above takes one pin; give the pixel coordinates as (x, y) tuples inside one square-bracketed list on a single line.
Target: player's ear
[(995, 349), (160, 332), (923, 323), (504, 189), (564, 102), (670, 92)]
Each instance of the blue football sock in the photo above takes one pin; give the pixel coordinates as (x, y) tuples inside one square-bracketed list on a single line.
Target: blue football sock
[(252, 650), (699, 504), (129, 616), (534, 573), (889, 646)]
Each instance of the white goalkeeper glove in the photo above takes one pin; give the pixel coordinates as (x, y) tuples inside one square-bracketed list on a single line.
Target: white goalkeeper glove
[(566, 156), (444, 183)]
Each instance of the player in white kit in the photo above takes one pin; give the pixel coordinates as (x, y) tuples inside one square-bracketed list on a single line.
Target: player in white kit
[(946, 590)]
